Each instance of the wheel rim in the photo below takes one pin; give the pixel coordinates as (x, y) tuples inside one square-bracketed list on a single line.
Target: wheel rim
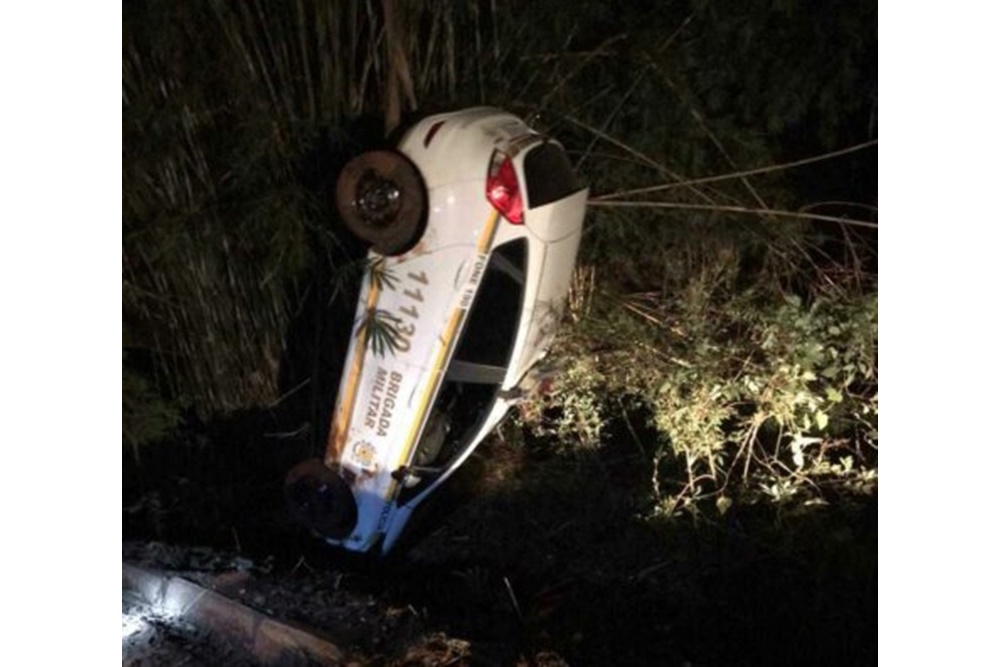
[(378, 199), (382, 200)]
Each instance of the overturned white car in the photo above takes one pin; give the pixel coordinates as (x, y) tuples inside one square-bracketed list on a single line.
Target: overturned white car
[(474, 222)]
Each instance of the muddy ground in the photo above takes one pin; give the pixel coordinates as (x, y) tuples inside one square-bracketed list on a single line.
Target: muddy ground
[(531, 557)]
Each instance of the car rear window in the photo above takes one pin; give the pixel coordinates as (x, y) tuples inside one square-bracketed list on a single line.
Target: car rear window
[(549, 175)]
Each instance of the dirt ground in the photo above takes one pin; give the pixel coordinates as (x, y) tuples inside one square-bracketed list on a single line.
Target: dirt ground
[(529, 557), (333, 604)]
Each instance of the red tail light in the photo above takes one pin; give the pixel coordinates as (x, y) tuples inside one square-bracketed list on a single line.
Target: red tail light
[(502, 189)]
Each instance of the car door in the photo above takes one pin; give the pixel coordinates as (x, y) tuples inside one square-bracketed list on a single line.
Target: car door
[(470, 402)]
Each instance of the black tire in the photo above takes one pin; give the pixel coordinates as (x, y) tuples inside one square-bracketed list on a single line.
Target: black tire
[(321, 500), (382, 200)]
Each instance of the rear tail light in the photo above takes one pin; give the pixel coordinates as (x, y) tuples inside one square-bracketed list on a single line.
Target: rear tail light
[(502, 189)]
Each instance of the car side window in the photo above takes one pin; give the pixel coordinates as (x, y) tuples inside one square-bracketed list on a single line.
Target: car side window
[(491, 325)]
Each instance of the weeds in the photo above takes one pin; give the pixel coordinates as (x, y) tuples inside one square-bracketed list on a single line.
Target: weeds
[(753, 391)]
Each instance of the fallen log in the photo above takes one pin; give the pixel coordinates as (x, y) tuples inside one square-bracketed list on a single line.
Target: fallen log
[(265, 639)]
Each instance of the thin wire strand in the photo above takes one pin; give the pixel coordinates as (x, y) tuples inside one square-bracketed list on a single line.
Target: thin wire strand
[(738, 174), (732, 209)]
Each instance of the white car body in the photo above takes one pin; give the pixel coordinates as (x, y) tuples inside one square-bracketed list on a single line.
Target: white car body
[(386, 397)]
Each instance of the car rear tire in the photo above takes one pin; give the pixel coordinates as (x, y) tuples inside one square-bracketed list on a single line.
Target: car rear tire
[(382, 200)]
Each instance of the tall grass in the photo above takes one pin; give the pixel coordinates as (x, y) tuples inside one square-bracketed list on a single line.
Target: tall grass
[(227, 106)]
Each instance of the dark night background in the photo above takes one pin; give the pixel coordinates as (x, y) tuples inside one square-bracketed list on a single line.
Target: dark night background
[(701, 488)]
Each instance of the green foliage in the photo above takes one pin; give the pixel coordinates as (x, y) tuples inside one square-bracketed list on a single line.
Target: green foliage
[(752, 390), (146, 415)]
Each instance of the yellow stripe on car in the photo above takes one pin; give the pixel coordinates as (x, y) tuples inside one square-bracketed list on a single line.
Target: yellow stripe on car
[(341, 421), (437, 370), (486, 237), (411, 438)]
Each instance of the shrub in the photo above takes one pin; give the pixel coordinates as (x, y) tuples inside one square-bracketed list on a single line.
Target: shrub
[(753, 390)]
